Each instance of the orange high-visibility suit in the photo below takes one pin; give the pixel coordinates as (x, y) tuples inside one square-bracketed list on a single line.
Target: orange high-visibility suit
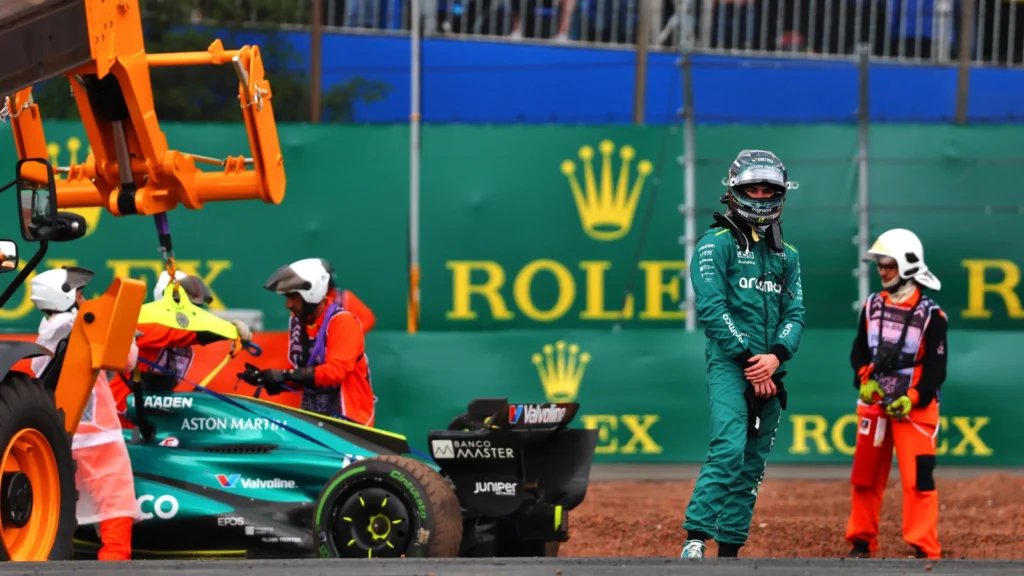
[(347, 300), (334, 345), (106, 486), (916, 370)]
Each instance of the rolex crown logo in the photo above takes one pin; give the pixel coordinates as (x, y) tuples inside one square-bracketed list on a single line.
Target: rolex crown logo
[(606, 210), (74, 146), (560, 374)]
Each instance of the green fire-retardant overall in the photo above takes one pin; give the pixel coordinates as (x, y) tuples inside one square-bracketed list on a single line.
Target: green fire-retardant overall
[(750, 300)]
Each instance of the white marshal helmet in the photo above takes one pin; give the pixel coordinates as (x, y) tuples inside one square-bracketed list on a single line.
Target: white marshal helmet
[(54, 291), (906, 249), (308, 278)]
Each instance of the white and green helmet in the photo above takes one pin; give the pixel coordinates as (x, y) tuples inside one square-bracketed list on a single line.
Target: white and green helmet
[(757, 167)]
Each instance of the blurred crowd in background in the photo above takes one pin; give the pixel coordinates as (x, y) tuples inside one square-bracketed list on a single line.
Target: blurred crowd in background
[(918, 30)]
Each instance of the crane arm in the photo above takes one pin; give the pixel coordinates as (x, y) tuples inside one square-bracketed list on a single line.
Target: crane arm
[(100, 49)]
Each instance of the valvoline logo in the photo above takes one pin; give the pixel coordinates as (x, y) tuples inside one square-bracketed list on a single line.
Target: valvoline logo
[(228, 481), (536, 414)]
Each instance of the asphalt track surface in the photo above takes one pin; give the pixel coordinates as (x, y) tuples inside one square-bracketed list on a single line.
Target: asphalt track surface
[(524, 567), (563, 566)]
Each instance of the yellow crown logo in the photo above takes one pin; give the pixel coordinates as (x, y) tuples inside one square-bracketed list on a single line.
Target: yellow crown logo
[(74, 144), (607, 213), (560, 375)]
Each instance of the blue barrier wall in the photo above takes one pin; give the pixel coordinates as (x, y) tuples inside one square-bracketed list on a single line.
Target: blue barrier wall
[(500, 82)]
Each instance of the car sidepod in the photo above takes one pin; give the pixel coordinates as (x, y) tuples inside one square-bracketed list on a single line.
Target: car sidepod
[(218, 480)]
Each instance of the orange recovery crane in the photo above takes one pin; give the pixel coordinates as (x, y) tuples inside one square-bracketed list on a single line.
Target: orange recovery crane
[(98, 46)]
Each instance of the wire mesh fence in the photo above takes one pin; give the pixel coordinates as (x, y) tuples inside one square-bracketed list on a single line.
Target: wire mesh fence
[(922, 31)]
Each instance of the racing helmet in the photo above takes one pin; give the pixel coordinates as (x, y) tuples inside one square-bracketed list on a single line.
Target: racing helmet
[(54, 291), (308, 278), (197, 291), (757, 167), (906, 249)]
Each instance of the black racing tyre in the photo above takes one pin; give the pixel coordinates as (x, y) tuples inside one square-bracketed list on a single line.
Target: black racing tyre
[(37, 494), (387, 507)]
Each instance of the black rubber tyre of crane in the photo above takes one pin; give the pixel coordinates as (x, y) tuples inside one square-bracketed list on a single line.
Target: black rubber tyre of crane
[(38, 496)]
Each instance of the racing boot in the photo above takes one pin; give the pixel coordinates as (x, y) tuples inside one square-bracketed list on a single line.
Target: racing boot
[(693, 549)]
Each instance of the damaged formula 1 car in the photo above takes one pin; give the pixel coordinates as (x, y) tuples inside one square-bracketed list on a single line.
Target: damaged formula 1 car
[(221, 475)]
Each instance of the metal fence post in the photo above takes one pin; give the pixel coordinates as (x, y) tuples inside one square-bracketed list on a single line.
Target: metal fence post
[(413, 312), (964, 67), (688, 158), (863, 123), (315, 62), (640, 83)]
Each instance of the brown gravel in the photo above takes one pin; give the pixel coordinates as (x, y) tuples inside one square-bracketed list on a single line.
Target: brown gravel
[(978, 518)]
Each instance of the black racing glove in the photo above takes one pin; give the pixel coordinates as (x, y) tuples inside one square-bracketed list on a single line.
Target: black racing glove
[(303, 377), (274, 380)]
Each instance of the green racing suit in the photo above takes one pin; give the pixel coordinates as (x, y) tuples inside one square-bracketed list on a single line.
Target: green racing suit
[(750, 300)]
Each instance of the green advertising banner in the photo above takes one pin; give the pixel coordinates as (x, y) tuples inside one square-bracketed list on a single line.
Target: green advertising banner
[(949, 185), (545, 227), (645, 391), (344, 202), (538, 227)]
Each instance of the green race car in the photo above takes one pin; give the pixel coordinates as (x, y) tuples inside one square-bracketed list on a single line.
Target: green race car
[(234, 476)]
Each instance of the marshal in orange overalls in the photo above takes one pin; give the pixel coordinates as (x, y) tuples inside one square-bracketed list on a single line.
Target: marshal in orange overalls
[(106, 485), (911, 374)]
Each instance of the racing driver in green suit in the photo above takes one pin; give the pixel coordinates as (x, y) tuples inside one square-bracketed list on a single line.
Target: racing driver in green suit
[(750, 300)]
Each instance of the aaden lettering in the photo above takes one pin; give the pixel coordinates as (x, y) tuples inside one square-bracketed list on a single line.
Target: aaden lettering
[(145, 270), (814, 434), (632, 437), (661, 279)]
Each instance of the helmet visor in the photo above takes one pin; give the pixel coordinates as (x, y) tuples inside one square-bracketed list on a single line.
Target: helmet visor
[(284, 281), (197, 290), (77, 278), (767, 175)]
